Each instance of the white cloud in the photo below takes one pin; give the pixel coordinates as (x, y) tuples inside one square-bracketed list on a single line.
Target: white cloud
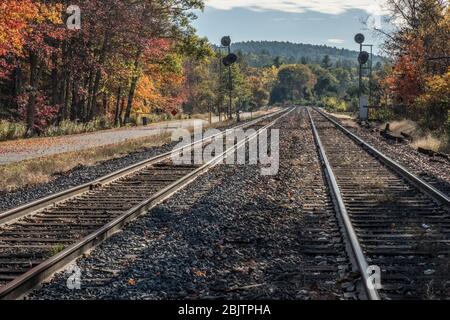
[(300, 6), (279, 19), (336, 41)]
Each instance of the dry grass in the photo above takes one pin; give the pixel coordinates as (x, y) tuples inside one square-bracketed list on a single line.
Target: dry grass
[(345, 119), (202, 116), (41, 170), (420, 139), (429, 142), (406, 126)]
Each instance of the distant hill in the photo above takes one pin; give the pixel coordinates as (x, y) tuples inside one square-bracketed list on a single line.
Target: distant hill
[(259, 53)]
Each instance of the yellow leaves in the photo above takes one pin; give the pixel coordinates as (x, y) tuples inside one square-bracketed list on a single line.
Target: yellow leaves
[(16, 17), (440, 83), (199, 273), (438, 89), (51, 13), (157, 88)]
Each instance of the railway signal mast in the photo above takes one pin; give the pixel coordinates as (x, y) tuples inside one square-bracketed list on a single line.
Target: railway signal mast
[(365, 63), (228, 61)]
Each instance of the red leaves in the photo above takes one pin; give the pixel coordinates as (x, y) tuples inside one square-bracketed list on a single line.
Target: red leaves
[(120, 43), (407, 77), (44, 112)]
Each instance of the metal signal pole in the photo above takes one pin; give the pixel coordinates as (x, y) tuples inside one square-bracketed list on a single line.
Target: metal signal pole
[(230, 83), (228, 61), (219, 101), (363, 58)]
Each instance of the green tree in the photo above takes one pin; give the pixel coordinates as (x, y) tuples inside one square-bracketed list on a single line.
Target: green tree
[(326, 81), (277, 62), (326, 62), (293, 83)]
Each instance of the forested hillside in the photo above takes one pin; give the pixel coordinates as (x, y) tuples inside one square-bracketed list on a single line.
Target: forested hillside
[(260, 53)]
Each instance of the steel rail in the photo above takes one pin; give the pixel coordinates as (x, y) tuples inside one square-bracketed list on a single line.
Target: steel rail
[(27, 281), (395, 166), (23, 210), (357, 251)]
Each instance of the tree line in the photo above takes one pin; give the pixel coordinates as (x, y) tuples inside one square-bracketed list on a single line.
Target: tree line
[(134, 58), (261, 53), (128, 56), (417, 83)]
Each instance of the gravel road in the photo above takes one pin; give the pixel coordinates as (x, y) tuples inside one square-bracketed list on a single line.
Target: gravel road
[(80, 175), (18, 150)]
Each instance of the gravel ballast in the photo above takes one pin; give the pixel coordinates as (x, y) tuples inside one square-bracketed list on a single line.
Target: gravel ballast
[(231, 234), (434, 170)]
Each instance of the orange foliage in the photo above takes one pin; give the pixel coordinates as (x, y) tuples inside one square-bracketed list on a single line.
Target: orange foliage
[(14, 18), (407, 76)]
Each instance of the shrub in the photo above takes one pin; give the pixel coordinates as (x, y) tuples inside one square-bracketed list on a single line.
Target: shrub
[(333, 104), (11, 130), (383, 114), (67, 127), (434, 104), (44, 113)]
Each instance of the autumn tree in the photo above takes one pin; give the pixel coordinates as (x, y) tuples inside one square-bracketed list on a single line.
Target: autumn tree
[(419, 43), (125, 58)]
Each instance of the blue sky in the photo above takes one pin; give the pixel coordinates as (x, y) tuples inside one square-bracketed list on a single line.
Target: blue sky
[(329, 22)]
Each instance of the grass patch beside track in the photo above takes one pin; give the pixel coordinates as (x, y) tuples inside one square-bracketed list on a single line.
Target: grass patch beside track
[(36, 171), (41, 170)]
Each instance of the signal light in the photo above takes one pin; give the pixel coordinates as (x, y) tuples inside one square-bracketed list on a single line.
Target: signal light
[(226, 41), (359, 38), (363, 57), (229, 59)]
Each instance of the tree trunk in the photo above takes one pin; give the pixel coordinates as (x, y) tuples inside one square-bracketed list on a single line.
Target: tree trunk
[(122, 106), (63, 81), (75, 108), (133, 85), (65, 107), (31, 106), (54, 76), (98, 76), (86, 107), (17, 81), (117, 113), (105, 103), (17, 85)]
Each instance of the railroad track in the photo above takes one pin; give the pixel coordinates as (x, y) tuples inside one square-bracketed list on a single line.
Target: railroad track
[(391, 218), (41, 237)]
